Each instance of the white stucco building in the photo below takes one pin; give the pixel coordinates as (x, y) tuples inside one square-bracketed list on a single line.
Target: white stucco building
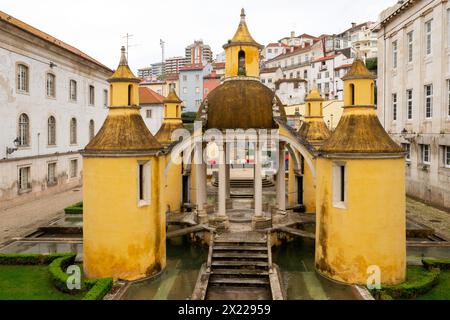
[(327, 72), (53, 99), (414, 92), (152, 108)]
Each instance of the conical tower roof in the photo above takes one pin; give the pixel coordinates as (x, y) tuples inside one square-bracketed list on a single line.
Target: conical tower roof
[(242, 35), (172, 97), (358, 71), (123, 72), (359, 129), (124, 130)]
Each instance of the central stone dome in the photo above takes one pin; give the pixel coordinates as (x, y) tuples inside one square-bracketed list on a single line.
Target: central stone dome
[(241, 104)]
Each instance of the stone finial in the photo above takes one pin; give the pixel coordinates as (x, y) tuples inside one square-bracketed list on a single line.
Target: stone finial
[(242, 15), (123, 57)]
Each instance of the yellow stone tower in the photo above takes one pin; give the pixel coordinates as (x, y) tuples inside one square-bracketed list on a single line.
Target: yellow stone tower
[(171, 185), (242, 53), (315, 131), (360, 193), (123, 226)]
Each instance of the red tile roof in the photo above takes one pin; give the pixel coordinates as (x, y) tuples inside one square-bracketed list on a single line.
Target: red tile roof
[(326, 58), (148, 96), (48, 38), (172, 76), (190, 67), (344, 66), (276, 45), (219, 65)]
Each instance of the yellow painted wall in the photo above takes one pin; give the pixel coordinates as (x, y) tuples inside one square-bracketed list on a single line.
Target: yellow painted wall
[(364, 92), (292, 190), (251, 61), (309, 190), (371, 231), (120, 239), (119, 94), (171, 185)]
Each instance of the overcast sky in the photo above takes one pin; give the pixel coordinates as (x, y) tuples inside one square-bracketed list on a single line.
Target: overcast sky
[(98, 27)]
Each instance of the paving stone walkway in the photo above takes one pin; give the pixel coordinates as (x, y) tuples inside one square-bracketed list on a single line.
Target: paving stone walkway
[(24, 218), (434, 218)]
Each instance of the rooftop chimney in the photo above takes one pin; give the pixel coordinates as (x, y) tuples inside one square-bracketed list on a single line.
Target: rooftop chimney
[(353, 24)]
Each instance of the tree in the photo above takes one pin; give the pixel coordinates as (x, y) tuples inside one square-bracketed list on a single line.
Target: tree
[(372, 64), (189, 117)]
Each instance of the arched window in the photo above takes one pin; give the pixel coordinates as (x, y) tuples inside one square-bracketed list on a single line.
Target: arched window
[(22, 78), (309, 109), (241, 63), (50, 85), (24, 130), (130, 92), (372, 94), (177, 111), (91, 129), (73, 90), (51, 131), (73, 131), (352, 94)]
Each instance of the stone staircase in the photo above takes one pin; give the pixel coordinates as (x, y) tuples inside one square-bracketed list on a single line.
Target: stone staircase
[(239, 267), (240, 264), (242, 183)]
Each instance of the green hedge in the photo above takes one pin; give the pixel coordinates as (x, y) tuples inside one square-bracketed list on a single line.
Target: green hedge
[(77, 208), (28, 259), (58, 275), (58, 264), (422, 281), (442, 264), (98, 288)]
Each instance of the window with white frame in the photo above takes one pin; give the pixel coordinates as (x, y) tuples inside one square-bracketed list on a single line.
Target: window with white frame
[(339, 185), (428, 101), (22, 78), (73, 90), (428, 38), (409, 104), (24, 130), (394, 54), (184, 90), (51, 173), (407, 148), (197, 90), (105, 98), (50, 85), (73, 168), (426, 156), (91, 95), (73, 131), (24, 179), (447, 156), (394, 106), (51, 131), (144, 178), (410, 46)]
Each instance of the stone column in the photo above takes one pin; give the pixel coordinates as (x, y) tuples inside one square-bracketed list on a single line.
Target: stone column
[(281, 182), (229, 203), (222, 218), (200, 177), (259, 220), (292, 182)]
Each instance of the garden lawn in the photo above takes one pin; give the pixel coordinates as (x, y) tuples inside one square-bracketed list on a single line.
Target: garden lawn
[(441, 291), (30, 282)]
